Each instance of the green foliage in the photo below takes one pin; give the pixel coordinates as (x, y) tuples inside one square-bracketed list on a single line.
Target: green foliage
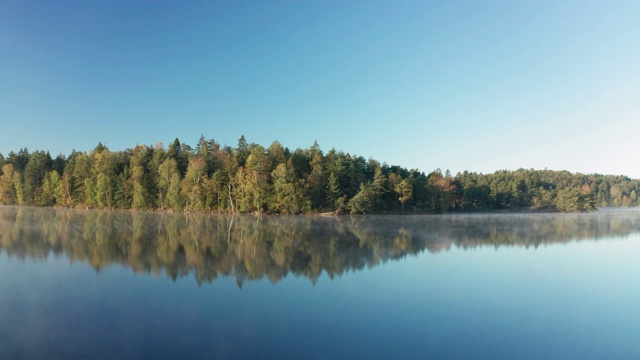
[(33, 178), (250, 178), (124, 189), (404, 189), (8, 192), (317, 181), (101, 185), (256, 180), (168, 184), (573, 200), (51, 190), (289, 192), (194, 184), (364, 201)]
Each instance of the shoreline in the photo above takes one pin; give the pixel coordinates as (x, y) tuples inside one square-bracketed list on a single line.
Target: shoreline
[(522, 210)]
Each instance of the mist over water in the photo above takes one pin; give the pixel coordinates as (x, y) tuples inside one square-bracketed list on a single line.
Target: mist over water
[(78, 284), (251, 248)]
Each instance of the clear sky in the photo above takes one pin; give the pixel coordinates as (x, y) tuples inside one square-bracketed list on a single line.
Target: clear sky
[(460, 85)]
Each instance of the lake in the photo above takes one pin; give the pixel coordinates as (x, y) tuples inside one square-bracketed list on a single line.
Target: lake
[(90, 284)]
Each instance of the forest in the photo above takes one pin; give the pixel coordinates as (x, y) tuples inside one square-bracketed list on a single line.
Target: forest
[(250, 178)]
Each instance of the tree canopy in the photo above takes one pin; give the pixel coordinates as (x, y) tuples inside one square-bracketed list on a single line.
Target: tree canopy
[(253, 179)]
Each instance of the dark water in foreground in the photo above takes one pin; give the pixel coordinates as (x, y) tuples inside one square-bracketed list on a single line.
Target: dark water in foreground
[(127, 285)]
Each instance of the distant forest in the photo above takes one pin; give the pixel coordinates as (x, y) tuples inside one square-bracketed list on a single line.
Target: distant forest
[(252, 179)]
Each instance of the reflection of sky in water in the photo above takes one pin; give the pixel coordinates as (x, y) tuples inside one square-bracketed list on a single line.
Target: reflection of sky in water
[(570, 300)]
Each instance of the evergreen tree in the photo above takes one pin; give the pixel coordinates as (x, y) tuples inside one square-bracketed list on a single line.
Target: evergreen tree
[(242, 152), (317, 182), (124, 189), (379, 188), (34, 172), (364, 201)]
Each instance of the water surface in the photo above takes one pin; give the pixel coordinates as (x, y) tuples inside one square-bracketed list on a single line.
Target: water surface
[(100, 284)]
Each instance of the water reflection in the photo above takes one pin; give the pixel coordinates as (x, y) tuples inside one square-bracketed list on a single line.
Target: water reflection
[(250, 248)]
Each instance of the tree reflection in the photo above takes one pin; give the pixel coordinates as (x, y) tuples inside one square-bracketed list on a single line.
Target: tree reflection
[(252, 248)]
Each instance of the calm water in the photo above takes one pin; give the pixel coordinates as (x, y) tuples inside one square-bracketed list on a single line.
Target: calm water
[(120, 285)]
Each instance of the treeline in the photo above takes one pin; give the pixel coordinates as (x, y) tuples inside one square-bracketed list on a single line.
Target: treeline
[(251, 178)]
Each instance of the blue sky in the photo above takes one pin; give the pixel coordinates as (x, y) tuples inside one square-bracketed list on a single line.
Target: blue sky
[(467, 85)]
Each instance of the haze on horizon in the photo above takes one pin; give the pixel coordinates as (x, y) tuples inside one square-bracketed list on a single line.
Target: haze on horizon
[(456, 85)]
